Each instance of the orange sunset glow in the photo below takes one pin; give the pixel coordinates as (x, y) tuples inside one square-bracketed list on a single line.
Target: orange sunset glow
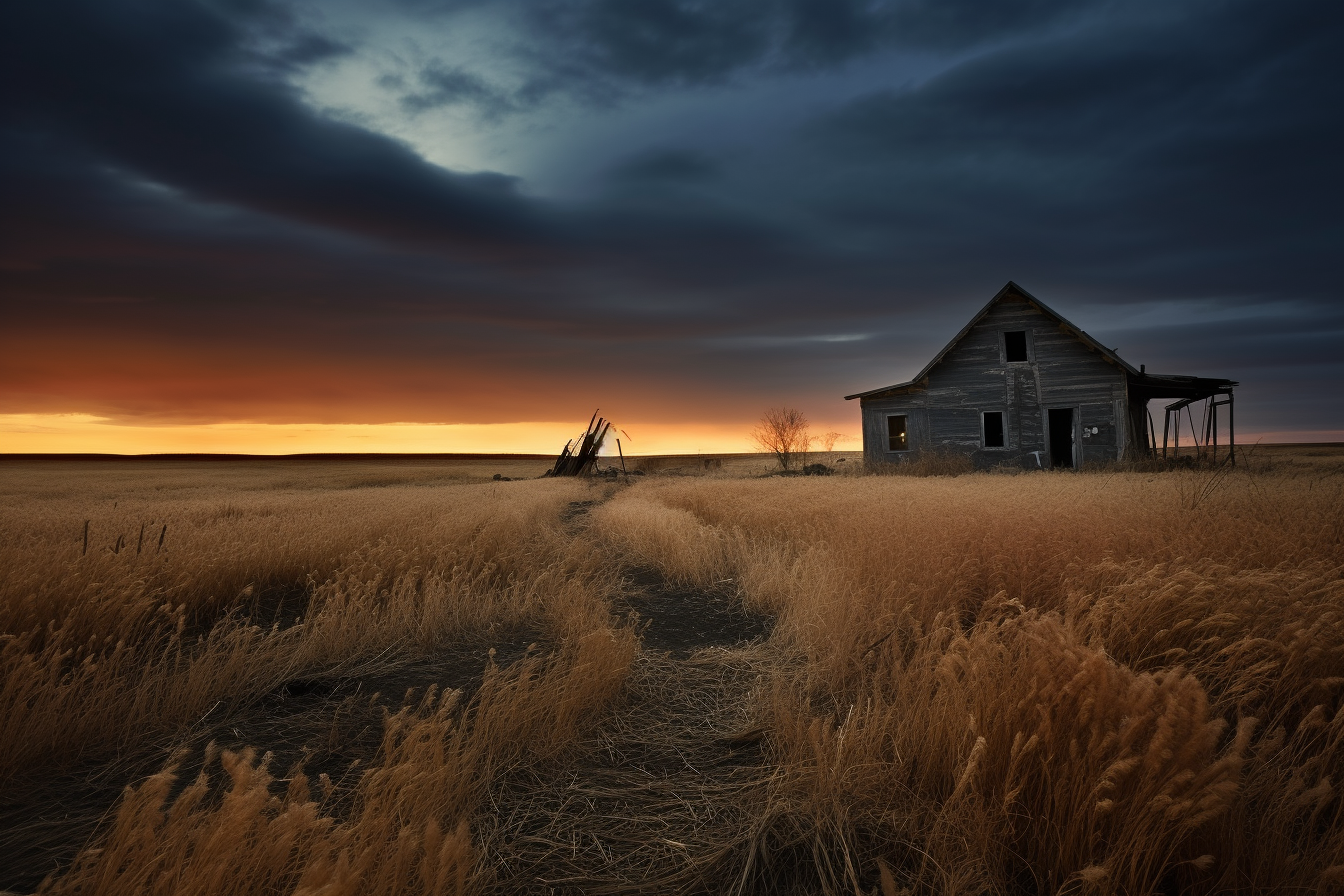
[(86, 434)]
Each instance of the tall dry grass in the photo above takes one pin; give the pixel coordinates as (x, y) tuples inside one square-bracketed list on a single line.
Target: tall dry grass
[(161, 638), (1120, 682), (116, 659), (411, 828)]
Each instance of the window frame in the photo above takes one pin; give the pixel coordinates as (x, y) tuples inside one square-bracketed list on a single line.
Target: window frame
[(1026, 346), (905, 430), (1003, 431)]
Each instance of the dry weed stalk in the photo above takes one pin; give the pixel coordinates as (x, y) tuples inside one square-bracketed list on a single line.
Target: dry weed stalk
[(410, 829)]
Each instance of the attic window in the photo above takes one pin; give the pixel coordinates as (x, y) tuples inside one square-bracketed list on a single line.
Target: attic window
[(1015, 345), (896, 437)]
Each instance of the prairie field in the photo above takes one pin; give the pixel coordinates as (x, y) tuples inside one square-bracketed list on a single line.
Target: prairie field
[(377, 677)]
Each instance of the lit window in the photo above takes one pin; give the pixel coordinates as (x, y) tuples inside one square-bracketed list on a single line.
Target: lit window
[(896, 438), (993, 429), (1015, 345)]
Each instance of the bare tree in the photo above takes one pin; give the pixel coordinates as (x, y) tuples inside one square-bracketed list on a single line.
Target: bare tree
[(783, 433), (829, 439)]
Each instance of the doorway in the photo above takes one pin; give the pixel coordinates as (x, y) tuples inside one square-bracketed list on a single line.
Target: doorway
[(1061, 438)]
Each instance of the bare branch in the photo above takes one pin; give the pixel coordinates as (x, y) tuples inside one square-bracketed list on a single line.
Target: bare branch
[(783, 433)]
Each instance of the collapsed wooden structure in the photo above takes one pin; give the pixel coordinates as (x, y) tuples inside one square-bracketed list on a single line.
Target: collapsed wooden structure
[(1214, 392), (579, 458)]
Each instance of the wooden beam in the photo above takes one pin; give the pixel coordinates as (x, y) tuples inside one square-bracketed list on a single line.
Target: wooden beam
[(1213, 426)]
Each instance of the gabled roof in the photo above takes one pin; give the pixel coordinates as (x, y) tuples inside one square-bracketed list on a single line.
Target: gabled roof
[(1010, 288)]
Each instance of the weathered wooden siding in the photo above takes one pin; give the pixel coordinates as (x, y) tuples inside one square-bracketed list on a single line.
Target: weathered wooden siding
[(975, 377)]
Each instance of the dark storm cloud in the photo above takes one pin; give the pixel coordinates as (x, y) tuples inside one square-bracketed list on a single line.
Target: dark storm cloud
[(1288, 363), (667, 165), (1196, 154), (662, 40), (602, 50), (440, 86), (188, 95), (1260, 343), (152, 110), (688, 42), (163, 177)]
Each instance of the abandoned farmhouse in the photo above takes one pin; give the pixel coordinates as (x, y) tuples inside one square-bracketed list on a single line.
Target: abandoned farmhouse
[(1023, 386)]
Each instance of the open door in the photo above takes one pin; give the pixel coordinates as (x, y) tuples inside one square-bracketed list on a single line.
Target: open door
[(1061, 438)]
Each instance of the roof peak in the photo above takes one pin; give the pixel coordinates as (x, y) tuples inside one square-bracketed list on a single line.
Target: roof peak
[(1009, 288)]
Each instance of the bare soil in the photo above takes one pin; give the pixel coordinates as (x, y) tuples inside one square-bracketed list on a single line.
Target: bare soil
[(682, 621)]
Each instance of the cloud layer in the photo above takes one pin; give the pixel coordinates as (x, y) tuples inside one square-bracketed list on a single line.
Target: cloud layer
[(241, 210)]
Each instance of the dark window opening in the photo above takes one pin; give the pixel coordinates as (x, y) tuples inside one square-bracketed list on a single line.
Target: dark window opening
[(1015, 345), (896, 439), (994, 429)]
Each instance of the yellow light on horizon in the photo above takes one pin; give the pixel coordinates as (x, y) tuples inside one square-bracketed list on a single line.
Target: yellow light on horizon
[(89, 434)]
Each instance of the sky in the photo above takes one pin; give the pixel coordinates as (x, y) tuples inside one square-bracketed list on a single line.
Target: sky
[(443, 225)]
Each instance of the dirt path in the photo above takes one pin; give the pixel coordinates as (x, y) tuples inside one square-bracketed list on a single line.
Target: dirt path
[(683, 620), (660, 798), (663, 795)]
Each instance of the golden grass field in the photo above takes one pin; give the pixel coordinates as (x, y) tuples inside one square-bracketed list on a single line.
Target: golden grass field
[(368, 677)]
